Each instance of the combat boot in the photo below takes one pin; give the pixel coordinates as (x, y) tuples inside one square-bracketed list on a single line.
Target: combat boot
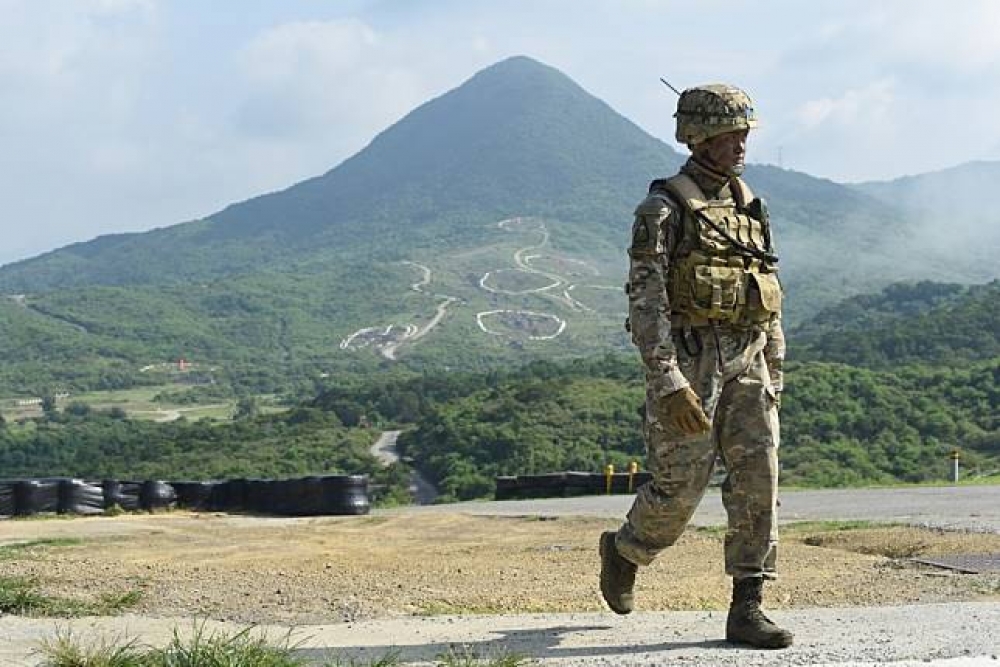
[(747, 624), (617, 576)]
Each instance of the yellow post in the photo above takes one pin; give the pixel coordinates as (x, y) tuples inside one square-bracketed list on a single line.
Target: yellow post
[(609, 473), (633, 468)]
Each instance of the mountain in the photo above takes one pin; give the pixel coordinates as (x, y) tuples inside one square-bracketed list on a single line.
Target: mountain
[(518, 138), (486, 227)]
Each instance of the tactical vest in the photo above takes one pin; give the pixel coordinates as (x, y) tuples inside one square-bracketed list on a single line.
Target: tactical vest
[(711, 279)]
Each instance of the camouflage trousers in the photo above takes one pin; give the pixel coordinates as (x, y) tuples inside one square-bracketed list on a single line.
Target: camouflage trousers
[(728, 372)]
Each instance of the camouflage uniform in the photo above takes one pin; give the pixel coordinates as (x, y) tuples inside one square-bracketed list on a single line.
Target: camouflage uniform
[(705, 313), (736, 371)]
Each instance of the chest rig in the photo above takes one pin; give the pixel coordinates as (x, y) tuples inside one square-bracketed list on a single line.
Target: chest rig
[(723, 268)]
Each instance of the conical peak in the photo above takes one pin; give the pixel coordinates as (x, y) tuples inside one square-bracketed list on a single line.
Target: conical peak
[(519, 69)]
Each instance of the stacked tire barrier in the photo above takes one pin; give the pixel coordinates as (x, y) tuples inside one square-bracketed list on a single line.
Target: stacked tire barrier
[(568, 484), (304, 496)]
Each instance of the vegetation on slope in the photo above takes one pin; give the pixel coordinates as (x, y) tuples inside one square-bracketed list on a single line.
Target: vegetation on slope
[(895, 419), (921, 322), (841, 425), (80, 442)]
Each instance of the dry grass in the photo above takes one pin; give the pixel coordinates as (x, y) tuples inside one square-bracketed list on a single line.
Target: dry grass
[(344, 568)]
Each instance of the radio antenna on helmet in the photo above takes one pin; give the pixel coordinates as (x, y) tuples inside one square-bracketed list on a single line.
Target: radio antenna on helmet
[(667, 84)]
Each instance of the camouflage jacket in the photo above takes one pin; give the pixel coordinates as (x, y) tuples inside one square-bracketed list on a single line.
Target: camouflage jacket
[(655, 236)]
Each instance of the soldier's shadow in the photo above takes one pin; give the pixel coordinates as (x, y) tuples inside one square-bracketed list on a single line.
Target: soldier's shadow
[(537, 643)]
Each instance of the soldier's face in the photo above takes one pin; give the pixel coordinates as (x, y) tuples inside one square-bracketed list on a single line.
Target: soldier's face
[(726, 152)]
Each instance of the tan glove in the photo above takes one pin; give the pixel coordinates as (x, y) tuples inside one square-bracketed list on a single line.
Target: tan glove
[(682, 412)]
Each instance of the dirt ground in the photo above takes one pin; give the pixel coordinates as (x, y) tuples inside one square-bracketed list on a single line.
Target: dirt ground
[(333, 569)]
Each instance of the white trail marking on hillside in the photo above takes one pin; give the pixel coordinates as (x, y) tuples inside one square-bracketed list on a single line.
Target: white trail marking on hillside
[(388, 344), (486, 313), (522, 261)]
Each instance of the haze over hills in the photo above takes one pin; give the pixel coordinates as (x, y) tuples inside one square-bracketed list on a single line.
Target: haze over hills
[(488, 225), (946, 212)]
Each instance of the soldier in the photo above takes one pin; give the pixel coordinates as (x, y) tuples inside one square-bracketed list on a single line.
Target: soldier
[(705, 313)]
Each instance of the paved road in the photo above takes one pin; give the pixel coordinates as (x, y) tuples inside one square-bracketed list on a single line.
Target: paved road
[(384, 450), (974, 508)]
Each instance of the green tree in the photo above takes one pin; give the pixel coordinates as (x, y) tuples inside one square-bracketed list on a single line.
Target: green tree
[(49, 406), (246, 408)]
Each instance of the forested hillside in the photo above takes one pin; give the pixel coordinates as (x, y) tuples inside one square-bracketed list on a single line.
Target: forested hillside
[(842, 425), (895, 419), (893, 414), (924, 322)]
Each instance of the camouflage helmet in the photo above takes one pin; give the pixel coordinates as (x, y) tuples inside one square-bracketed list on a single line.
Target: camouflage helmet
[(704, 112)]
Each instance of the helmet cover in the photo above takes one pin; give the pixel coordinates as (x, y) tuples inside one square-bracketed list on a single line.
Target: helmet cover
[(707, 111)]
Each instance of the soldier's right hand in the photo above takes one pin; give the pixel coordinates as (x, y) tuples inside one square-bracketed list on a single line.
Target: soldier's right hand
[(682, 412)]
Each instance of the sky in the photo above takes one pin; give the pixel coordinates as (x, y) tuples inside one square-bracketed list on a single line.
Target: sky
[(125, 115)]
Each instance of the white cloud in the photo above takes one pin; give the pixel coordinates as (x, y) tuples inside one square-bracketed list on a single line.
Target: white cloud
[(307, 49), (113, 7), (323, 78), (858, 89), (958, 36), (72, 80), (870, 104)]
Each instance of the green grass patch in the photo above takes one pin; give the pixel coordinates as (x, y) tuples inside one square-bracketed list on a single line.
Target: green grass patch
[(390, 659), (243, 648), (710, 531), (18, 550), (219, 411), (466, 657), (985, 480), (201, 649), (445, 608), (152, 403), (142, 395), (65, 650), (20, 596)]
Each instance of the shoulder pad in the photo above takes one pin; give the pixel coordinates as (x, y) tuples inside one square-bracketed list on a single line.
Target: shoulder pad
[(656, 204), (741, 191), (659, 184), (686, 190)]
